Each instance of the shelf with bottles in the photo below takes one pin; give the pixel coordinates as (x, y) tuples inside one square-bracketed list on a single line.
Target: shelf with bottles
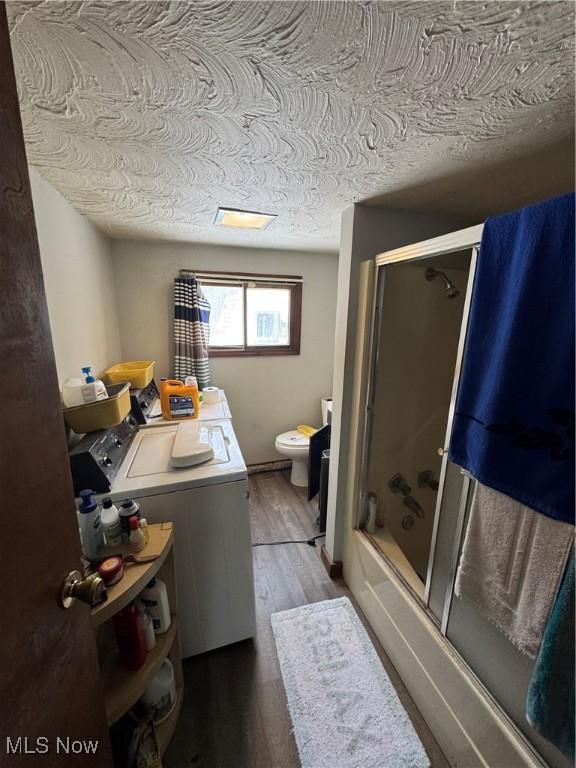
[(123, 688), (136, 574)]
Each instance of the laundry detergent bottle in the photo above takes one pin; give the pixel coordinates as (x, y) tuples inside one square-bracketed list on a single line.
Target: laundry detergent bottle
[(179, 400)]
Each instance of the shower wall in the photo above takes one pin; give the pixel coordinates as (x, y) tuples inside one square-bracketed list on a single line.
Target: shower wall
[(419, 335)]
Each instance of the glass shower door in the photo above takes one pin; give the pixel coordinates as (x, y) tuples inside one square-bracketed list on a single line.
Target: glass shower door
[(419, 339)]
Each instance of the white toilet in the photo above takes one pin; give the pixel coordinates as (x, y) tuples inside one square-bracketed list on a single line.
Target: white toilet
[(294, 445)]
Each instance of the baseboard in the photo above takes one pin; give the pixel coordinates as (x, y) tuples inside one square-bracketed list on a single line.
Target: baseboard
[(268, 466), (333, 567)]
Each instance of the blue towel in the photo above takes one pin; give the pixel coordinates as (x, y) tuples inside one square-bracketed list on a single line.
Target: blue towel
[(514, 422), (550, 703)]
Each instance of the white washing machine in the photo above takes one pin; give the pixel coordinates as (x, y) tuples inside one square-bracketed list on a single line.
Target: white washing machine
[(208, 505)]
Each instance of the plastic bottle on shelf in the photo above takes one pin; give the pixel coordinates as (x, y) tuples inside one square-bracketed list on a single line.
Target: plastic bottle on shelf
[(72, 392), (372, 512), (128, 508), (145, 529), (192, 381), (111, 523), (149, 633), (155, 599), (159, 697), (85, 563), (137, 540), (129, 629), (90, 525)]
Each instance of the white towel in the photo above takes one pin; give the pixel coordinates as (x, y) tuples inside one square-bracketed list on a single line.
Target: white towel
[(511, 565)]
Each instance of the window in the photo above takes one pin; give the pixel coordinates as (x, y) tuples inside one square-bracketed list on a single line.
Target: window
[(253, 314)]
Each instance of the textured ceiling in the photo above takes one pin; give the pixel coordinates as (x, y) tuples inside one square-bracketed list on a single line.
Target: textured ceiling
[(148, 115)]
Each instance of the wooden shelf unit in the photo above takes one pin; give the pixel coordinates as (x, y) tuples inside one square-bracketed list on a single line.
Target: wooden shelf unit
[(123, 688), (136, 575)]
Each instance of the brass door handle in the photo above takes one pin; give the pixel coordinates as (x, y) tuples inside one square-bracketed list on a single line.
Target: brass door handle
[(91, 590)]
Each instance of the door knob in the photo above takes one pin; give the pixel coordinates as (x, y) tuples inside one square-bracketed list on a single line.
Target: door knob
[(91, 590)]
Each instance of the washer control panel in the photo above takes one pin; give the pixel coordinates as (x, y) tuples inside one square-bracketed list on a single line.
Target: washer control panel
[(96, 458)]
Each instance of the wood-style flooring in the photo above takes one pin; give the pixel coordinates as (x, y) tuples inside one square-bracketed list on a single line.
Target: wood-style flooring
[(235, 713)]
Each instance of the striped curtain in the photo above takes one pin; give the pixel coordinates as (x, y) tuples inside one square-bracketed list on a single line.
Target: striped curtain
[(191, 331)]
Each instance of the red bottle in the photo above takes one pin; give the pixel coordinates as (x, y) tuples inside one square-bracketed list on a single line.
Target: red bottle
[(130, 637)]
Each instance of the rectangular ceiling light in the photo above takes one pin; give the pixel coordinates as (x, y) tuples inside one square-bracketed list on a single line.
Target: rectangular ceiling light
[(230, 217)]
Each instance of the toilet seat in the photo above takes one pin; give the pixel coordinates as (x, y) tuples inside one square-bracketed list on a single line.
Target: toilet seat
[(294, 440)]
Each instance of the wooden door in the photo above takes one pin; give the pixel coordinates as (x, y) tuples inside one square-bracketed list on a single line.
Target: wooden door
[(50, 691)]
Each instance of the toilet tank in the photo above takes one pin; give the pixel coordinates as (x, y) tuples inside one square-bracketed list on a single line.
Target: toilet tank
[(326, 403)]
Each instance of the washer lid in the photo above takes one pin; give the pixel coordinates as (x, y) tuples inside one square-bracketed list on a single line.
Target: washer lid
[(147, 468), (293, 439), (156, 448)]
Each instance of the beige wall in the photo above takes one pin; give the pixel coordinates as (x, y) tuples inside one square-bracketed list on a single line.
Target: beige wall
[(267, 395), (77, 270)]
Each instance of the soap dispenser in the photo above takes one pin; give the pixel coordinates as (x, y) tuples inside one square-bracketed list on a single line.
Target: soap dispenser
[(93, 389)]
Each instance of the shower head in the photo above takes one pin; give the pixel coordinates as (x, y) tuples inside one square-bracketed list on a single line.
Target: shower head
[(451, 290)]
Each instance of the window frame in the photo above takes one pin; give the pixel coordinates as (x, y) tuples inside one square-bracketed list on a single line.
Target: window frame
[(245, 281)]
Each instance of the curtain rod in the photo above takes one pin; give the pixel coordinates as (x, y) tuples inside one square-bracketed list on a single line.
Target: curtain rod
[(250, 277)]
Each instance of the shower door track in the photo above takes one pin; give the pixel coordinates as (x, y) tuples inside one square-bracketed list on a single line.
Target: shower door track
[(436, 246)]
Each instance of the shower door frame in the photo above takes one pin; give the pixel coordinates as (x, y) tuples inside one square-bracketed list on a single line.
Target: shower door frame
[(465, 240)]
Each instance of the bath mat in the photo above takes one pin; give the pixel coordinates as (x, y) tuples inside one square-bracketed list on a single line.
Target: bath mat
[(344, 709)]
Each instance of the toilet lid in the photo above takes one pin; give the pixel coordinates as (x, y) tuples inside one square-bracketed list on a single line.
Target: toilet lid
[(293, 439)]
